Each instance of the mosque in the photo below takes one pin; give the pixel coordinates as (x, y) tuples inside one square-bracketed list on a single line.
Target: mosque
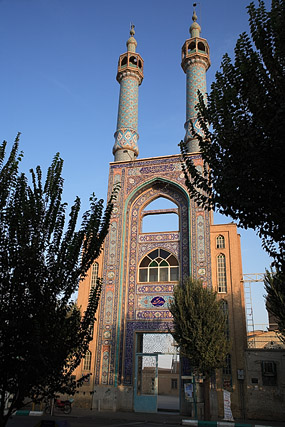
[(140, 268)]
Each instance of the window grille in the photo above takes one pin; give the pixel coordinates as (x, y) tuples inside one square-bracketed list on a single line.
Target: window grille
[(222, 279), (220, 242), (159, 266), (94, 274), (87, 361), (269, 373), (174, 383)]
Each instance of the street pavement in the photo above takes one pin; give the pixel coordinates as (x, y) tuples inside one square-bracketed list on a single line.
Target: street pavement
[(81, 418), (84, 417)]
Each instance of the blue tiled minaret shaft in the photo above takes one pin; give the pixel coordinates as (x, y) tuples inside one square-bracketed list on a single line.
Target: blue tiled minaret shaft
[(130, 76), (195, 63)]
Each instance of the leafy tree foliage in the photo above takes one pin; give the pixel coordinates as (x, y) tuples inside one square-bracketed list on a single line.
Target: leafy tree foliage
[(199, 326), (244, 133), (275, 299), (43, 335)]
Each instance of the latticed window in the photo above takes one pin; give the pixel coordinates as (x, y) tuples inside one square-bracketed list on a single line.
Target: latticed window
[(226, 313), (87, 361), (159, 266), (220, 242), (227, 369), (222, 278), (94, 274)]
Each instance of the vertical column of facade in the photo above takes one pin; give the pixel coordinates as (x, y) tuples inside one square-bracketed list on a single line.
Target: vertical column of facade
[(130, 76), (195, 62)]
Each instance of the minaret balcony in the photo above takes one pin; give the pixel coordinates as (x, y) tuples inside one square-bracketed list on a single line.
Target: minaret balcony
[(130, 61), (196, 47)]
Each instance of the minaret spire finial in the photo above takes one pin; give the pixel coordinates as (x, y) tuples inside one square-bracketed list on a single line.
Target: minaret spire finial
[(194, 16), (132, 30), (195, 28), (132, 43)]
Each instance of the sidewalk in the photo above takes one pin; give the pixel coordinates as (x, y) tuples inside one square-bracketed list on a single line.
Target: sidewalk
[(85, 417), (156, 418), (130, 417)]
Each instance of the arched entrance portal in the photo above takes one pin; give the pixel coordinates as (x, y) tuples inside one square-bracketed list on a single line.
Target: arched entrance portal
[(143, 262), (154, 262)]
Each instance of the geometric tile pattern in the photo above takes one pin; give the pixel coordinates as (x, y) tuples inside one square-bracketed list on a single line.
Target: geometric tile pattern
[(128, 104), (126, 136), (195, 80), (200, 237), (148, 301)]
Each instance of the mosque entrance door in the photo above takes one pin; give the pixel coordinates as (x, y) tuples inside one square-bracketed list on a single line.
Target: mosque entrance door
[(157, 379)]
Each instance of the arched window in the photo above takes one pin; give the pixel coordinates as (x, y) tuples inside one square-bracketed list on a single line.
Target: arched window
[(160, 215), (201, 47), (159, 266), (220, 242), (221, 269), (227, 369), (124, 61), (91, 329), (87, 361), (225, 309), (133, 61), (94, 274), (192, 47)]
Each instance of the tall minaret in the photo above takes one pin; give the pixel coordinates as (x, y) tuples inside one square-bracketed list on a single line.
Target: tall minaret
[(195, 63), (130, 76)]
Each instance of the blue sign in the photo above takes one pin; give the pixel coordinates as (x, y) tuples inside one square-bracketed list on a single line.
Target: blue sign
[(158, 301)]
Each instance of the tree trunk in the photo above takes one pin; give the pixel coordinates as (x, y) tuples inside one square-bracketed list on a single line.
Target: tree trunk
[(207, 412)]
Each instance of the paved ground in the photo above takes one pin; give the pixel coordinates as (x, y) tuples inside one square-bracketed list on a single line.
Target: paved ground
[(84, 417), (81, 418)]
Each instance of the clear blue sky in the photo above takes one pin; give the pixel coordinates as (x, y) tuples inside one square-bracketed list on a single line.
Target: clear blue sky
[(58, 83)]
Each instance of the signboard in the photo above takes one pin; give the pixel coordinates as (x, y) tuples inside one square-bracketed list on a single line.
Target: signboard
[(158, 301), (188, 390), (228, 416)]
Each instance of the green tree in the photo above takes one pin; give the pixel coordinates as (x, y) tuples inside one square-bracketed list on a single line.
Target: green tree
[(199, 326), (274, 282), (200, 330), (43, 335), (243, 125)]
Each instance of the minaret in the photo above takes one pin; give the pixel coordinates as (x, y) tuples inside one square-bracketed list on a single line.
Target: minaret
[(130, 76), (195, 63)]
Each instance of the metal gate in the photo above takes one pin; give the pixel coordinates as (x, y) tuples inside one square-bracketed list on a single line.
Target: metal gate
[(146, 382)]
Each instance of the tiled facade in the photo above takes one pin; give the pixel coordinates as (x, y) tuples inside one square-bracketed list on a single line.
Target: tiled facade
[(123, 311)]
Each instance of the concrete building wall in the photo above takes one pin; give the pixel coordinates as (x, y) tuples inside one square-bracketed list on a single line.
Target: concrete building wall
[(265, 380)]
